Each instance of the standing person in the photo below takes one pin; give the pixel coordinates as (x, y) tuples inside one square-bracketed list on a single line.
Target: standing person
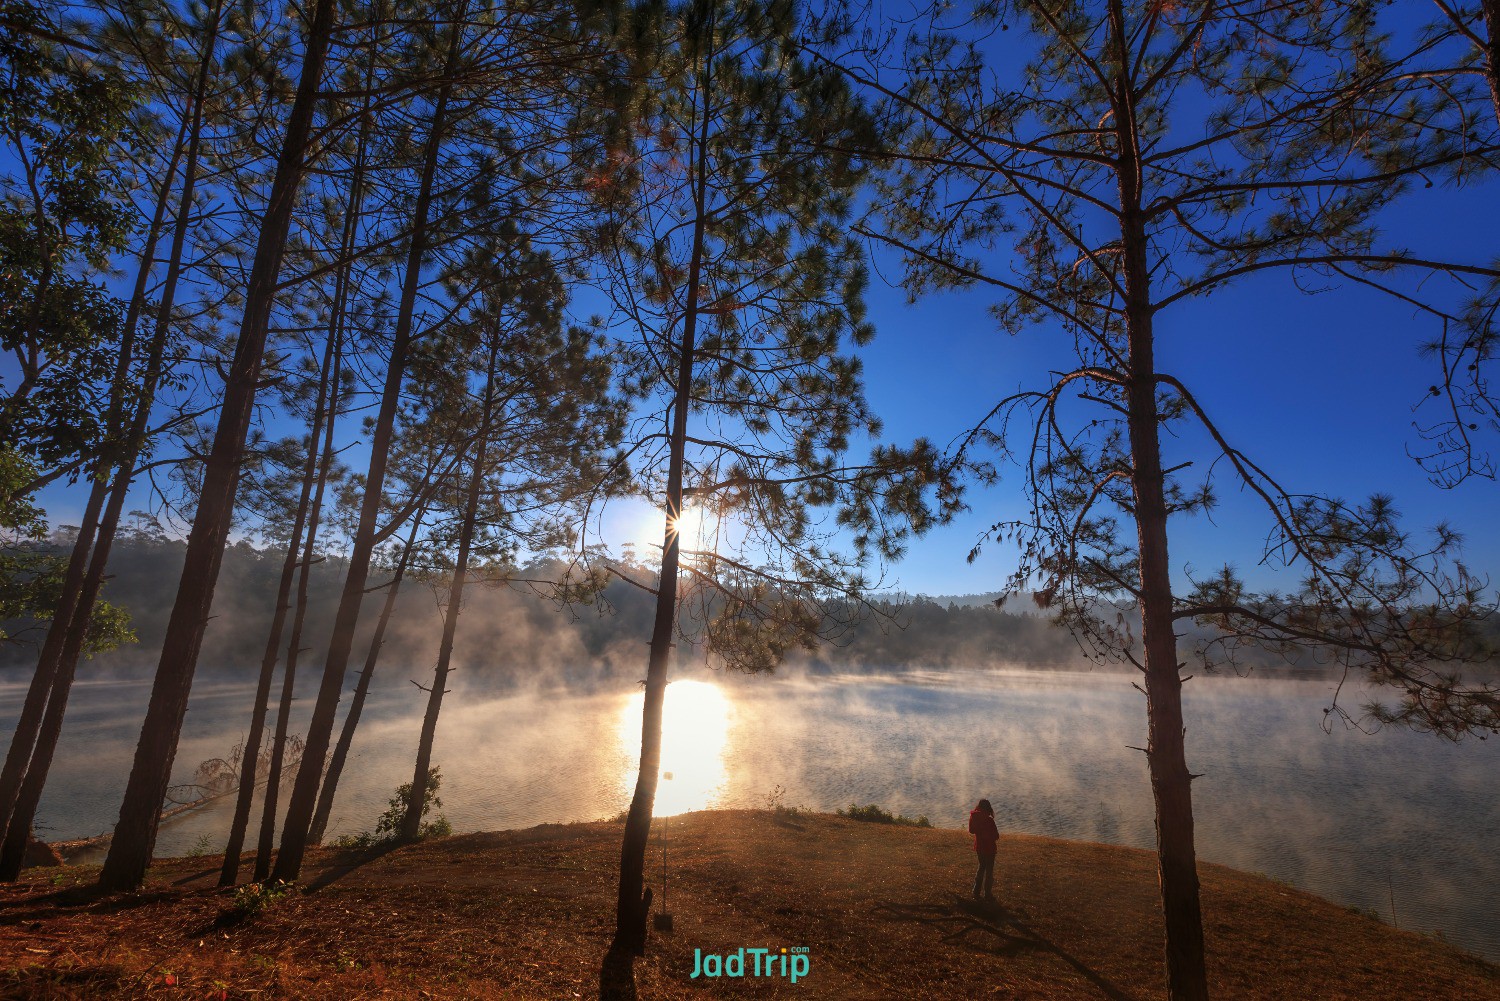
[(982, 826)]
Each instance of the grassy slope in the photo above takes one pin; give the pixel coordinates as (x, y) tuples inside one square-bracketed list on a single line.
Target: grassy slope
[(527, 914)]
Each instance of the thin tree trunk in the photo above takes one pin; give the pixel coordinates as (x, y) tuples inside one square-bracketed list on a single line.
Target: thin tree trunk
[(320, 726), (135, 833), (630, 905), (84, 576), (1491, 10), (23, 740), (1171, 783), (294, 645), (411, 824), (250, 758), (361, 691), (316, 469)]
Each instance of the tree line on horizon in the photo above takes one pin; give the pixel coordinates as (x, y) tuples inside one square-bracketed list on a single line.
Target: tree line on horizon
[(410, 294), (545, 642)]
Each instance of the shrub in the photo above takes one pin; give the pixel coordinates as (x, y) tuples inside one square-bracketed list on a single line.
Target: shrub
[(388, 827), (776, 803), (254, 898), (875, 814)]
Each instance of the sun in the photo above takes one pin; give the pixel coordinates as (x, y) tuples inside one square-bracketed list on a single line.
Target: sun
[(689, 525)]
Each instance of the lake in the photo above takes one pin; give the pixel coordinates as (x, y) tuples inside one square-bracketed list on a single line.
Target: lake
[(1398, 823)]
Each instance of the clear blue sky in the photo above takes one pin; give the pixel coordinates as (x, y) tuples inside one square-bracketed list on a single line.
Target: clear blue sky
[(1318, 388)]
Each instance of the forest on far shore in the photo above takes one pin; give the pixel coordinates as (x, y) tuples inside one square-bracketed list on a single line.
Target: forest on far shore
[(512, 633)]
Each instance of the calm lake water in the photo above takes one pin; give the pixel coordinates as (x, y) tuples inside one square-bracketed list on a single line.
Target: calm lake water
[(1391, 820)]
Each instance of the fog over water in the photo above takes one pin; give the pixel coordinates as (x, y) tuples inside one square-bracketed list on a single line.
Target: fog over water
[(1368, 820)]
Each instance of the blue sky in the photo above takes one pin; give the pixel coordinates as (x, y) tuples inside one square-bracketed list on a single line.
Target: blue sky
[(1318, 388)]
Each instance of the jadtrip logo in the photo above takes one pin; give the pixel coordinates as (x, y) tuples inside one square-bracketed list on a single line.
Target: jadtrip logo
[(793, 962)]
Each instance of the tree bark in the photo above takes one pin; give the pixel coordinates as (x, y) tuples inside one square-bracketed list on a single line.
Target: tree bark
[(361, 690), (630, 909), (411, 823), (320, 726), (1491, 10), (1171, 783), (135, 833)]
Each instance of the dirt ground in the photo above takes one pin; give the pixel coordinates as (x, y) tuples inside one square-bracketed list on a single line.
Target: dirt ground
[(882, 911)]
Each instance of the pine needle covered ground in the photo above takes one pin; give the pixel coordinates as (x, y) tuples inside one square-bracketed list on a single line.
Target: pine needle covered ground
[(882, 910)]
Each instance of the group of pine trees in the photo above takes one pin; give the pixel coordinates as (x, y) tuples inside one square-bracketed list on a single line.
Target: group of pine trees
[(426, 285)]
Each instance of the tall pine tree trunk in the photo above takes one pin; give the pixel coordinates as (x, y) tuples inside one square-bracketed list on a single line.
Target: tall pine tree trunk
[(327, 386), (250, 757), (23, 741), (68, 632), (320, 726), (1171, 783), (330, 784), (630, 907), (1491, 11), (28, 725), (294, 651), (135, 833), (411, 824)]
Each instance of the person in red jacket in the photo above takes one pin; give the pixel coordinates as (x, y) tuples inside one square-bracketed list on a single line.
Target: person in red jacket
[(982, 826)]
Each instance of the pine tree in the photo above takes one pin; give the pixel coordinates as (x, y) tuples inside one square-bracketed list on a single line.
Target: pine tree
[(135, 834), (1144, 156), (729, 185)]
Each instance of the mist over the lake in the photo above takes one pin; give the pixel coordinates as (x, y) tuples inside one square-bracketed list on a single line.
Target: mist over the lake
[(1372, 821)]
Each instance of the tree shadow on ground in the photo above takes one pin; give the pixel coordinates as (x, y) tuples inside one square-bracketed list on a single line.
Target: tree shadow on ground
[(351, 861), (89, 898), (988, 927), (617, 976), (97, 980), (192, 876)]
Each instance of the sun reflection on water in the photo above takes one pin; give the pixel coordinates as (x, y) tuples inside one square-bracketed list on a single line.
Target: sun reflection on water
[(695, 729)]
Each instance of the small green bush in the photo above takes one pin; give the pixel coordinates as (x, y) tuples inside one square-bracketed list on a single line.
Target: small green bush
[(388, 827), (776, 803), (255, 898), (875, 814)]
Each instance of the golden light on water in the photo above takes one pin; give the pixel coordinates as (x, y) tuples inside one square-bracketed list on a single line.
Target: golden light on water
[(695, 729)]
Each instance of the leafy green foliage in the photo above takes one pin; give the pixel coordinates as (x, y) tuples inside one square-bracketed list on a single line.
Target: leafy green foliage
[(31, 570), (254, 899), (388, 826), (64, 212)]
